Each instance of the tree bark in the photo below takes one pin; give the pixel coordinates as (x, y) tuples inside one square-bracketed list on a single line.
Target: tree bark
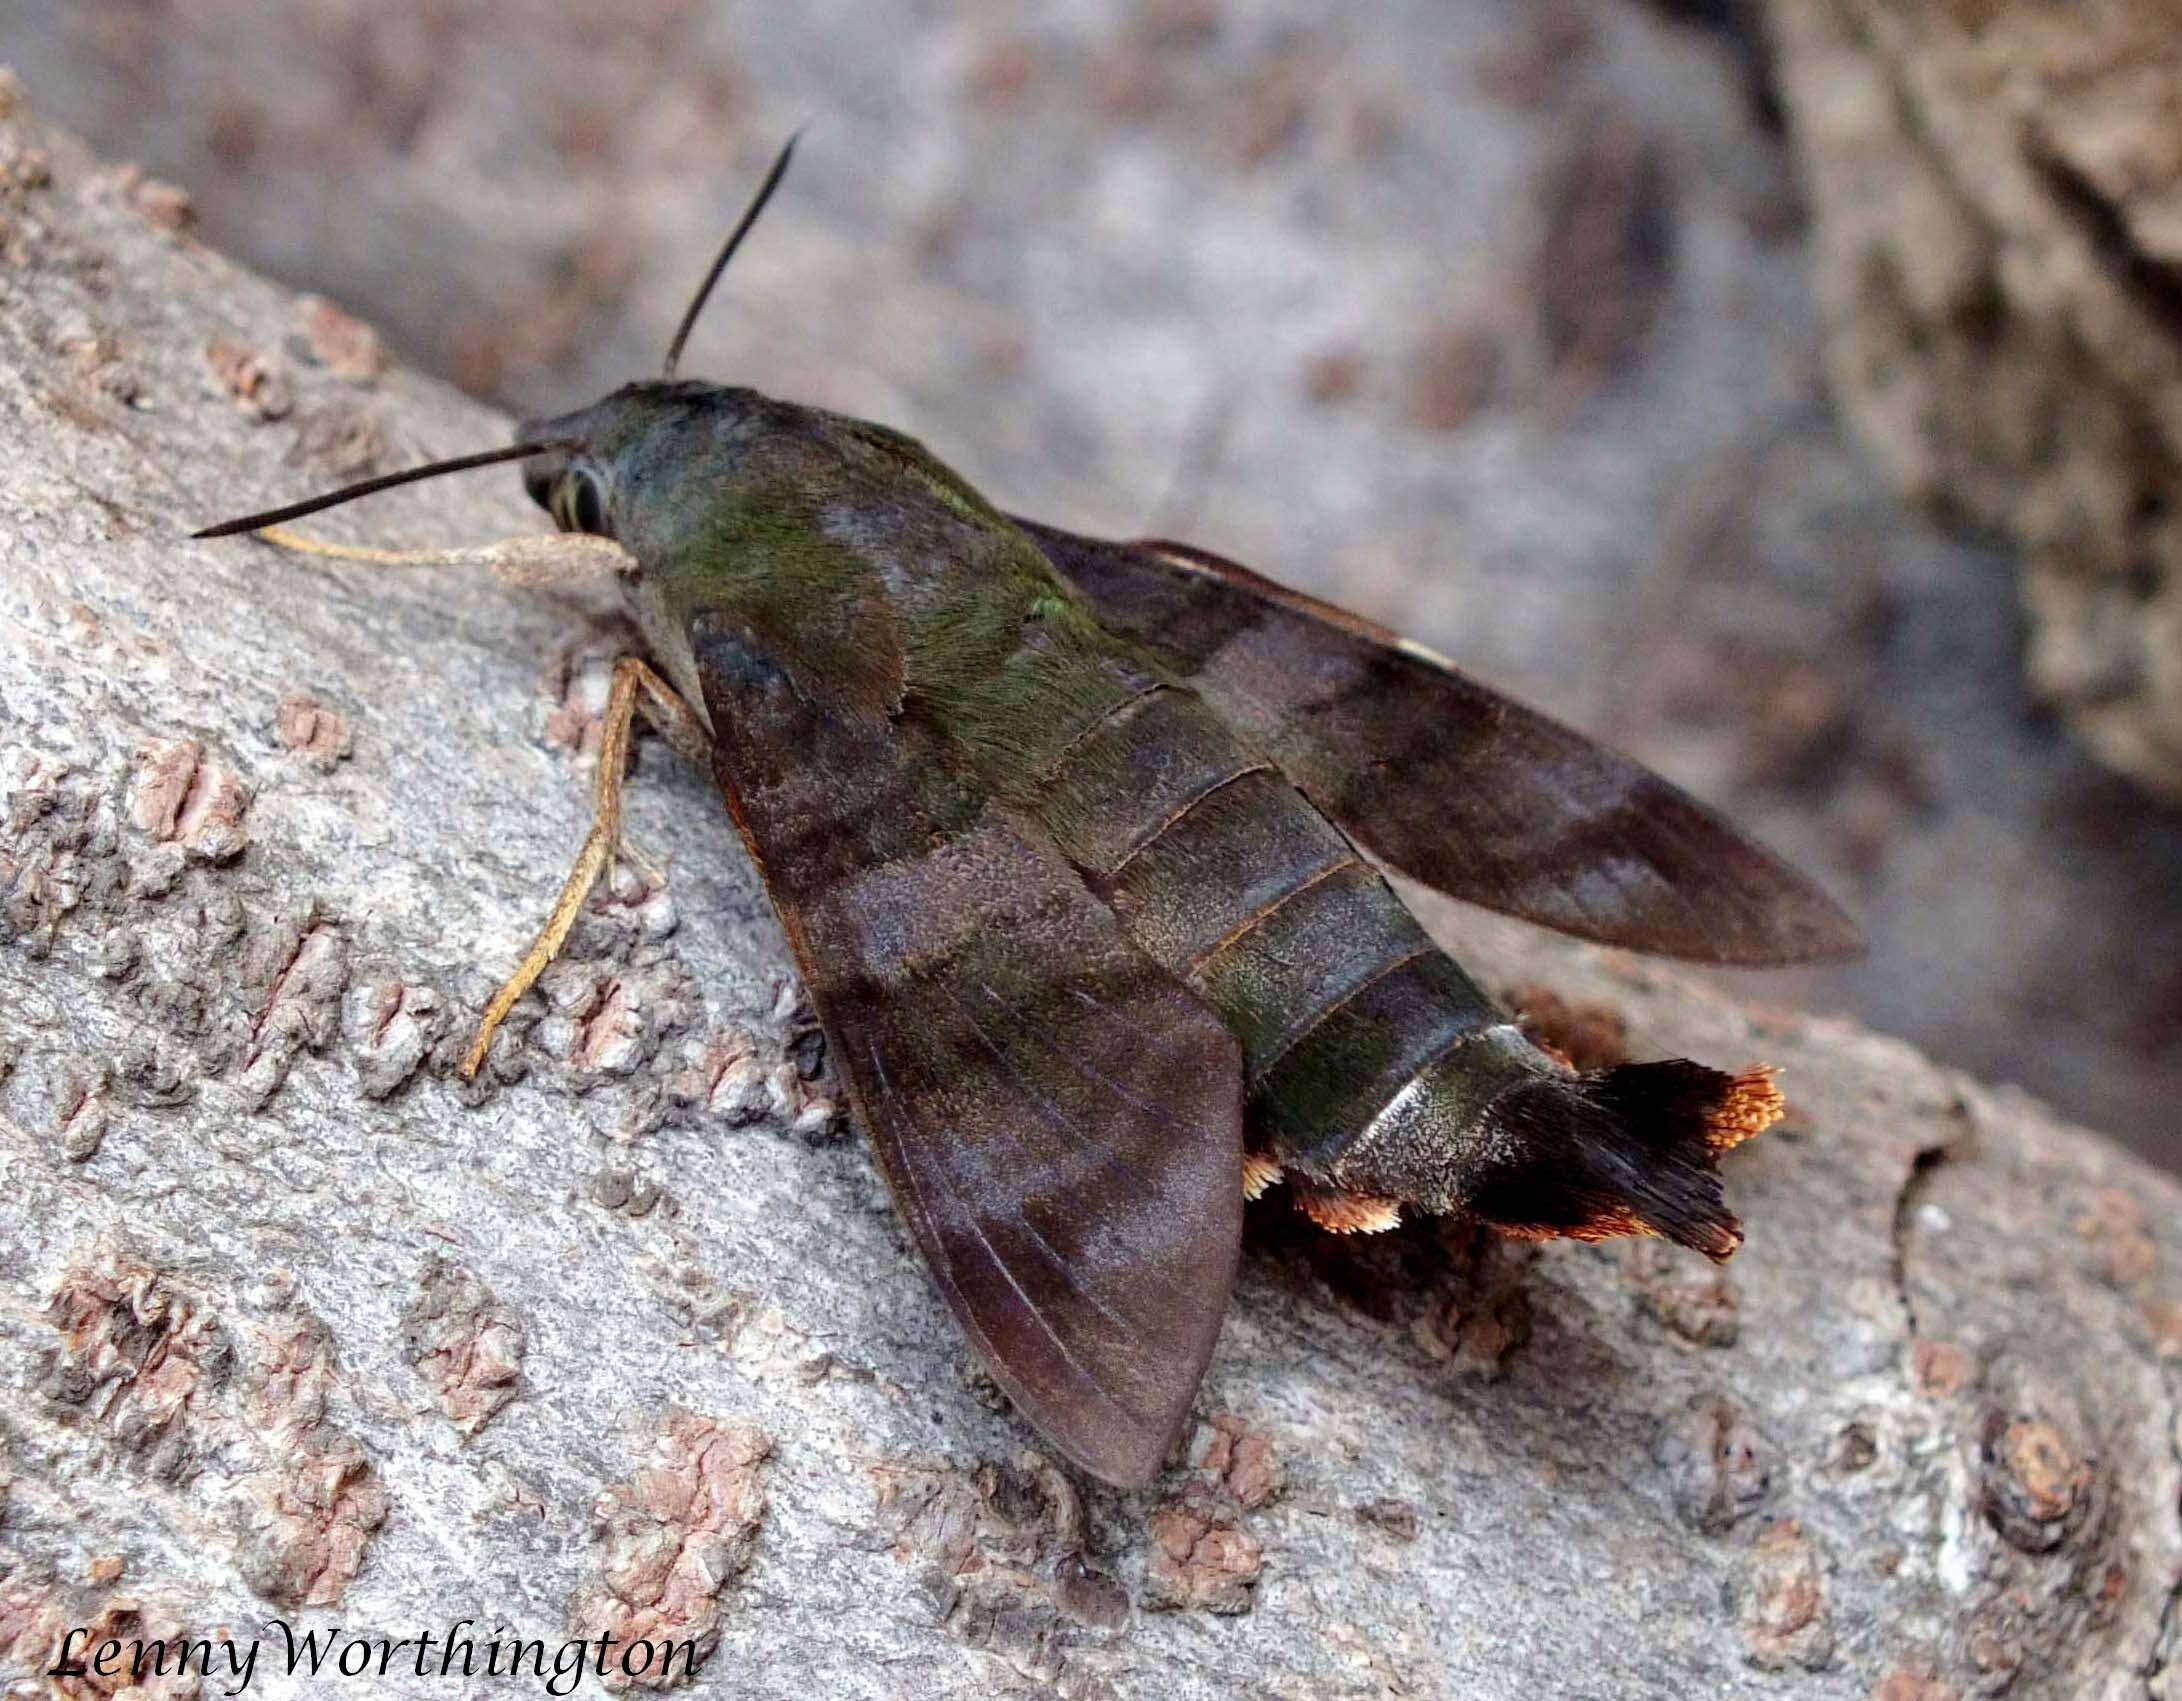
[(626, 1339), (1489, 320), (1999, 242)]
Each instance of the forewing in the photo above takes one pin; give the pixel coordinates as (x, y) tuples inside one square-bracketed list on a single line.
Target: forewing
[(1448, 781), (1058, 1119)]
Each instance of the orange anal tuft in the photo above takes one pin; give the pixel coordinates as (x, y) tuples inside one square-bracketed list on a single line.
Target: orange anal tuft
[(1620, 1223), (1614, 1224), (1752, 1105), (1259, 1173), (1349, 1213)]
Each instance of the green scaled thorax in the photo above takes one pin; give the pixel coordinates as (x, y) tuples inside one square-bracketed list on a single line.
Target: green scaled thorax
[(889, 585)]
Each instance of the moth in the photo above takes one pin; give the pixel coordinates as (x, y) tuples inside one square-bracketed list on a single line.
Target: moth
[(1078, 846)]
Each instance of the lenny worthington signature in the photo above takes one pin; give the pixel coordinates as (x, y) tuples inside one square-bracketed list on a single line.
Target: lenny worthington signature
[(334, 1652)]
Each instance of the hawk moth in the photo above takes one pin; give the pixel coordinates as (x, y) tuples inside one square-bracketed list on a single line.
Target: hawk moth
[(1077, 845)]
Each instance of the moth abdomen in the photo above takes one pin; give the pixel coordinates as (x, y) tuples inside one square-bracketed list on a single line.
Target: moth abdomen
[(1503, 1133), (1183, 829), (1378, 1072)]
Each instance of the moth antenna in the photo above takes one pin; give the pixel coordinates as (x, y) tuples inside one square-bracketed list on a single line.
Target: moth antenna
[(385, 481), (727, 251)]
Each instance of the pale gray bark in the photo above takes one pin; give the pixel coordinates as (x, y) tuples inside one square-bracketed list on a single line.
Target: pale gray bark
[(294, 1326)]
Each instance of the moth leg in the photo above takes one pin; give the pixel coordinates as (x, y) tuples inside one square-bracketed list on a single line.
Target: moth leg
[(668, 714), (551, 558), (634, 685)]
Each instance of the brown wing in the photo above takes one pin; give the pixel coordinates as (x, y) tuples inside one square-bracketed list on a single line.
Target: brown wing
[(1447, 780), (1059, 1120)]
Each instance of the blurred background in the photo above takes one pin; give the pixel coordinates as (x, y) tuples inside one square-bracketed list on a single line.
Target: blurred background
[(1755, 387)]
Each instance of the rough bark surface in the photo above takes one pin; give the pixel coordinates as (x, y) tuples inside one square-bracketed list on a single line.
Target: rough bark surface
[(1488, 318), (1998, 189), (294, 1326)]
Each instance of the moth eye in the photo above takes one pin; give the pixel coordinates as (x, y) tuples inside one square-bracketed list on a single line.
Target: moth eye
[(579, 505)]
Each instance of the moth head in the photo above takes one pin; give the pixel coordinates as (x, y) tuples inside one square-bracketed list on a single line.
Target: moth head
[(570, 464), (623, 467)]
